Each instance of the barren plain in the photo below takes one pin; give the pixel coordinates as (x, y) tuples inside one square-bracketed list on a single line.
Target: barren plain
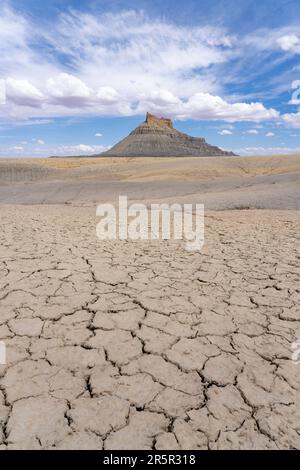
[(144, 345)]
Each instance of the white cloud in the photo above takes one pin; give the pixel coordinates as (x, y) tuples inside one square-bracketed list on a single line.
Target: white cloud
[(40, 142), (225, 132), (20, 59), (142, 51), (32, 122), (80, 149), (124, 64), (247, 151), (289, 43), (292, 120), (159, 97), (206, 106), (252, 131), (118, 65), (68, 90), (51, 150), (107, 95), (98, 134), (270, 134), (23, 93)]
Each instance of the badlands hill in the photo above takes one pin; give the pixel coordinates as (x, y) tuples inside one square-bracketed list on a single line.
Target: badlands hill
[(156, 137)]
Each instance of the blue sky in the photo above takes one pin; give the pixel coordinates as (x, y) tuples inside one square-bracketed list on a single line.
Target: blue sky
[(76, 77)]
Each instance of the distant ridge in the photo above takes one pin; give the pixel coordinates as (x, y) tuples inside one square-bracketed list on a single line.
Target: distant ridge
[(156, 137)]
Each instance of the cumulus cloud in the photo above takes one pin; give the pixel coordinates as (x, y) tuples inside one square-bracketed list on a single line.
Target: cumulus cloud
[(289, 43), (225, 132), (24, 93), (207, 106), (68, 90), (159, 97), (292, 120), (98, 134), (71, 92), (270, 134), (252, 131), (107, 95)]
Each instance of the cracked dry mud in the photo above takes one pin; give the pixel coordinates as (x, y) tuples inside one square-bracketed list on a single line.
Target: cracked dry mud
[(137, 345)]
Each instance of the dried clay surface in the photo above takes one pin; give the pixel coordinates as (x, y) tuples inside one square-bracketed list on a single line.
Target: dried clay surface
[(144, 345)]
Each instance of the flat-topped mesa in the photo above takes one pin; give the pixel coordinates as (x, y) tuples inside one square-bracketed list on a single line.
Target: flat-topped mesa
[(158, 121), (156, 137)]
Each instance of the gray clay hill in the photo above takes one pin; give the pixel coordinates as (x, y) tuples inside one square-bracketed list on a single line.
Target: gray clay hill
[(156, 137)]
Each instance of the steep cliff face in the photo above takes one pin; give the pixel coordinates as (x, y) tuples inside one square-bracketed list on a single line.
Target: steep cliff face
[(156, 121), (156, 137)]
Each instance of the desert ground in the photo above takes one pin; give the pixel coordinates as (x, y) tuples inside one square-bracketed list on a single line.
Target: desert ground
[(218, 182), (142, 344)]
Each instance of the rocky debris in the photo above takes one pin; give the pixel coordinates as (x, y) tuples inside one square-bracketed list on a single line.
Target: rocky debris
[(156, 137)]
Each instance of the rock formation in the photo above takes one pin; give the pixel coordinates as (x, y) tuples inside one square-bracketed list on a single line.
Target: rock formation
[(156, 137)]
